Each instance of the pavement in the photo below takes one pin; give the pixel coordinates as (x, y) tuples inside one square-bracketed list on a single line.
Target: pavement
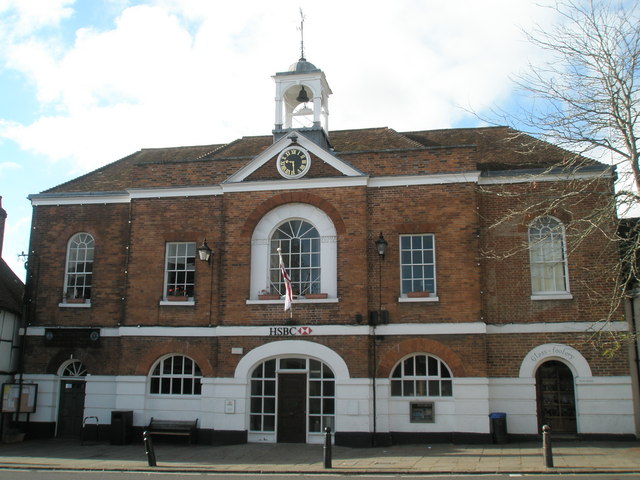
[(568, 457)]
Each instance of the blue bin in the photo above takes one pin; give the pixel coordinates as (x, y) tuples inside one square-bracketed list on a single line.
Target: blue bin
[(498, 427)]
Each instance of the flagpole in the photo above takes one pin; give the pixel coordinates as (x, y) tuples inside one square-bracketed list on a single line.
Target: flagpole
[(288, 299)]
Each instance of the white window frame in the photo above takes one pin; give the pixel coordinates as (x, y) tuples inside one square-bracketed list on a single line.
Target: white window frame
[(426, 378), (289, 257), (79, 242), (260, 245), (189, 298), (195, 375), (432, 296), (536, 266)]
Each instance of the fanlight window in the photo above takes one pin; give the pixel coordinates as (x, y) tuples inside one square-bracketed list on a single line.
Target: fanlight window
[(74, 368), (176, 375), (421, 376)]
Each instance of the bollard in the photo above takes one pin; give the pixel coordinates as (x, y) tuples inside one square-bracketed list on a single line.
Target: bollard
[(327, 447), (148, 446), (546, 446)]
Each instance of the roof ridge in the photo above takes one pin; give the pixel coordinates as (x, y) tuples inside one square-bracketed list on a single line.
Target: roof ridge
[(212, 152)]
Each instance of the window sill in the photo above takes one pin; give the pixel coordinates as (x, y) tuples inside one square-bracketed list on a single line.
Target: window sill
[(552, 296), (296, 301), (75, 305), (418, 299), (172, 303)]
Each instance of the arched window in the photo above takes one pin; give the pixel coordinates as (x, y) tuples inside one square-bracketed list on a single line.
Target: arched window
[(74, 368), (308, 241), (79, 269), (547, 255), (299, 242), (421, 376), (175, 375)]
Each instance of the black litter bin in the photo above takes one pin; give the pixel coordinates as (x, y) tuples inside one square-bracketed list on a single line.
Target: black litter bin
[(121, 427), (498, 427)]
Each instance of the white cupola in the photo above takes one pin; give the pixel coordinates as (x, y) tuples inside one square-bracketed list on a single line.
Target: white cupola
[(302, 101)]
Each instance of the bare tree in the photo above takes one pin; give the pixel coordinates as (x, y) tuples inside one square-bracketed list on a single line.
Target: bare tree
[(585, 99), (586, 96)]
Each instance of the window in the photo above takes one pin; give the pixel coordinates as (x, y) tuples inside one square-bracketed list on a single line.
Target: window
[(299, 242), (417, 264), (323, 278), (176, 375), (79, 267), (547, 256), (321, 397), (421, 376), (263, 398), (180, 269), (74, 368)]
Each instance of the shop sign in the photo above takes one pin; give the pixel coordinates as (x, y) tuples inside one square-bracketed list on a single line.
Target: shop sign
[(289, 331)]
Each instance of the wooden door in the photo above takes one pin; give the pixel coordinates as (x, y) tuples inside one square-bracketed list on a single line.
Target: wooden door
[(556, 397), (292, 401), (71, 408)]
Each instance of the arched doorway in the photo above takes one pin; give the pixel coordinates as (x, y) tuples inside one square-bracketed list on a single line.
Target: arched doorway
[(72, 392), (291, 399), (555, 396)]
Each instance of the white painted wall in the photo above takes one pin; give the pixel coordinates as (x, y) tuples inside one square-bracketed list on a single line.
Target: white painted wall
[(604, 404), (467, 411)]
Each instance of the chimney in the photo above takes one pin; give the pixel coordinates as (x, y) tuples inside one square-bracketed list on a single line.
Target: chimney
[(3, 217)]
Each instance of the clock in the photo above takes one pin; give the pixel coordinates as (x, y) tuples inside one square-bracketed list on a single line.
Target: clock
[(293, 162)]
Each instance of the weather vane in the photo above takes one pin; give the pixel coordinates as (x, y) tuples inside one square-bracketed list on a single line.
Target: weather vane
[(302, 36)]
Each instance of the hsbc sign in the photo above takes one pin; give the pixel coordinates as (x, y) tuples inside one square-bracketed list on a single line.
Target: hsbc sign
[(289, 331)]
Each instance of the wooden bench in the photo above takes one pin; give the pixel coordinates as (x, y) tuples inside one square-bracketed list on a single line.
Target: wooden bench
[(173, 427)]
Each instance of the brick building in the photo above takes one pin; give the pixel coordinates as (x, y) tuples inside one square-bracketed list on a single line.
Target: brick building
[(422, 342)]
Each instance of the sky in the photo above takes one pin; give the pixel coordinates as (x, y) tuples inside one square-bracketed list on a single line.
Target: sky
[(84, 83)]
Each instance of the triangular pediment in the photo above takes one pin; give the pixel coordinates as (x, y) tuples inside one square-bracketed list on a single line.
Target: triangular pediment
[(339, 167)]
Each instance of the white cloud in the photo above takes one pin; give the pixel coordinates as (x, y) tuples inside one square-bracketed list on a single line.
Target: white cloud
[(8, 166), (190, 71), (25, 16)]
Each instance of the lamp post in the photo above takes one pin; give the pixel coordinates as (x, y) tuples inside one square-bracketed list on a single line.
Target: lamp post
[(381, 247)]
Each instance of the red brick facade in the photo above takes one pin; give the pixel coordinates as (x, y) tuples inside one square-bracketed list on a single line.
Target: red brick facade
[(482, 267)]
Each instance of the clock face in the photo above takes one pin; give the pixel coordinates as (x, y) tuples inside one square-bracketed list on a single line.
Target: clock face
[(293, 162)]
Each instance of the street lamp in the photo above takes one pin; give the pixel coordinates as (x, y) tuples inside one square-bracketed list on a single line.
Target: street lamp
[(381, 246), (204, 252)]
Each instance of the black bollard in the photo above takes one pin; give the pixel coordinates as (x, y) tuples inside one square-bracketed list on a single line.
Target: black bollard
[(546, 446), (327, 447), (148, 446)]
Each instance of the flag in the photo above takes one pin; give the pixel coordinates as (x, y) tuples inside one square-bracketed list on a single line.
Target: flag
[(288, 297)]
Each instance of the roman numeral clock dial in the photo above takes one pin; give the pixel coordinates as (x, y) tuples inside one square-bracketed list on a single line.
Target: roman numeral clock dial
[(293, 162)]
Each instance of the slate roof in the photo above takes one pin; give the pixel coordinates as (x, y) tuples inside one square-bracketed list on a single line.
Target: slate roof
[(495, 148), (11, 289)]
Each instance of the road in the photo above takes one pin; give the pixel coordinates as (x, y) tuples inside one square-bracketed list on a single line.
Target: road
[(10, 474)]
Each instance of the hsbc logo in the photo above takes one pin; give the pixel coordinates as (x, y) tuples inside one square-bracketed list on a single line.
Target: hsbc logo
[(289, 331)]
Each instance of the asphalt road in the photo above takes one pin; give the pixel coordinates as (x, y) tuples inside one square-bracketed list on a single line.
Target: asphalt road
[(13, 474)]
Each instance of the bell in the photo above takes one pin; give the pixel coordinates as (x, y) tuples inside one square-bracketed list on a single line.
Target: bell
[(302, 96)]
